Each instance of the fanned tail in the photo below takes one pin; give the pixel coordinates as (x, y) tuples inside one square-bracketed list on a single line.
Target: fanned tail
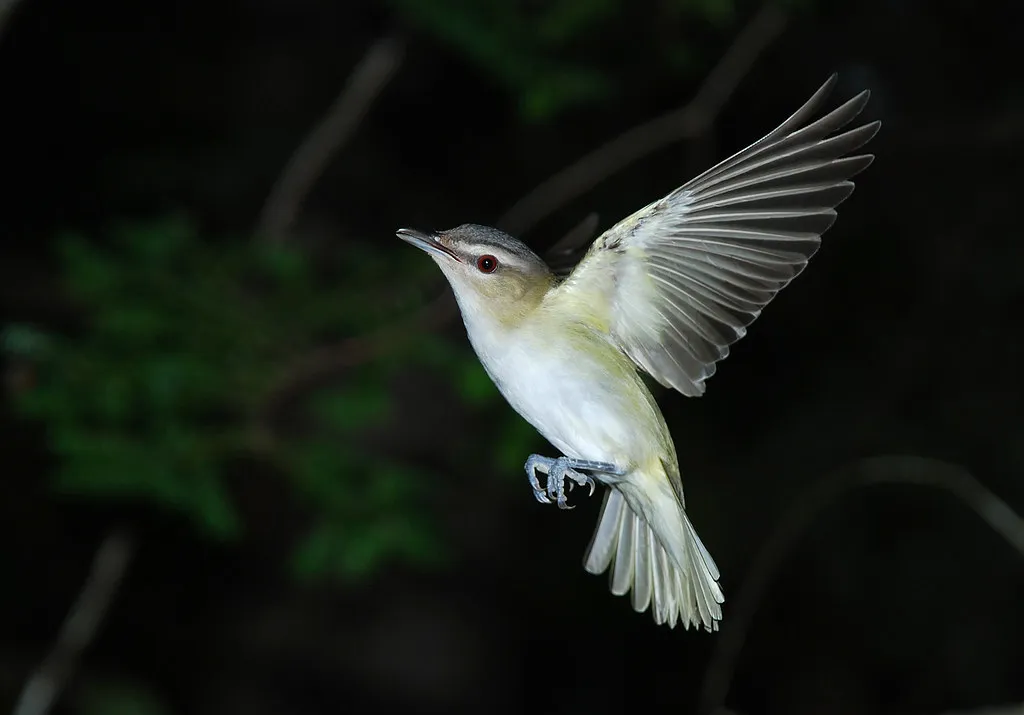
[(682, 589)]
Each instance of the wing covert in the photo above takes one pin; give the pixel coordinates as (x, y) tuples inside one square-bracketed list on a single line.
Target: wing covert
[(683, 277)]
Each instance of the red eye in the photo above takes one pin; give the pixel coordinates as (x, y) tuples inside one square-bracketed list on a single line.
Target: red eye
[(487, 264)]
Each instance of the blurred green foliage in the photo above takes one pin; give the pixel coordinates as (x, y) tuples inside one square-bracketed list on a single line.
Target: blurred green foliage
[(117, 697), (543, 52), (166, 384)]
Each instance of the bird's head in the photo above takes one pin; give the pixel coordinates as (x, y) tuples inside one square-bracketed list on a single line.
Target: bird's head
[(491, 273)]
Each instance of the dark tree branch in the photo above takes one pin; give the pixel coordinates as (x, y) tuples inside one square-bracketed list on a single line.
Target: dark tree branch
[(7, 8), (83, 621), (1014, 709), (319, 364), (896, 469), (689, 121), (314, 155), (326, 361), (567, 251)]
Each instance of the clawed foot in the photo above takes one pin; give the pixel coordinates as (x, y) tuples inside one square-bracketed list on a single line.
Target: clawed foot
[(557, 470)]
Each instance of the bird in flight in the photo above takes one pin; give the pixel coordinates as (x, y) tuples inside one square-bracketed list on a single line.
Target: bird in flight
[(664, 292)]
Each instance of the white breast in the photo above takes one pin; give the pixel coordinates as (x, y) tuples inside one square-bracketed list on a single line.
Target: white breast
[(567, 395)]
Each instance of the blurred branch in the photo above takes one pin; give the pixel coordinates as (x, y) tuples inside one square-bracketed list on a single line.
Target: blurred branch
[(319, 364), (308, 162), (79, 628), (894, 469), (7, 8), (578, 235), (567, 251), (322, 363), (687, 122), (1015, 709)]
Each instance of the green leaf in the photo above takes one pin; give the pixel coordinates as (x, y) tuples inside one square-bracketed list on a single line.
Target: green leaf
[(423, 546), (156, 244), (719, 12), (89, 273), (112, 399), (474, 385), (282, 263), (132, 323), (359, 553), (566, 19), (392, 484), (557, 90), (181, 341), (432, 350), (716, 12), (680, 57), (376, 521), (519, 47), (334, 550), (25, 341), (361, 404), (317, 467), (120, 698), (516, 441), (169, 469), (118, 473), (212, 504), (46, 402), (315, 553)]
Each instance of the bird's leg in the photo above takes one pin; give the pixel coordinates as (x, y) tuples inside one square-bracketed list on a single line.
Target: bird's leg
[(557, 469)]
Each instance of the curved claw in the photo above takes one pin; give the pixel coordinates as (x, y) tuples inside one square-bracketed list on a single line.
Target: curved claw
[(582, 480), (560, 470)]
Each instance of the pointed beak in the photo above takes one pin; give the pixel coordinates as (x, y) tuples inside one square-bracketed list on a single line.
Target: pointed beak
[(429, 242)]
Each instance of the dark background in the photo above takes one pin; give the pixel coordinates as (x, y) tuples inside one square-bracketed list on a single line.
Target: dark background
[(902, 338)]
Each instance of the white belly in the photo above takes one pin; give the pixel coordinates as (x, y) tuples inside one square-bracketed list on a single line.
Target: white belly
[(572, 398)]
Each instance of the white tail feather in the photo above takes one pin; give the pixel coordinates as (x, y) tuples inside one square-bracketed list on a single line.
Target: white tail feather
[(686, 592)]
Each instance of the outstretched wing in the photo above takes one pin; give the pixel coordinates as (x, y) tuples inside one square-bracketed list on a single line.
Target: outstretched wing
[(679, 281)]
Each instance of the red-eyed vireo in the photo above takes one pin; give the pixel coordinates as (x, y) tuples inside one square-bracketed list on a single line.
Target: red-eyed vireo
[(667, 291)]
